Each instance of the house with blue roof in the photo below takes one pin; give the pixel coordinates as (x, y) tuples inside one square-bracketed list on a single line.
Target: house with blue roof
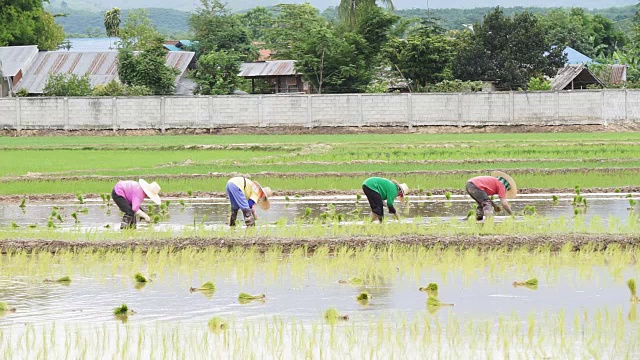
[(576, 57)]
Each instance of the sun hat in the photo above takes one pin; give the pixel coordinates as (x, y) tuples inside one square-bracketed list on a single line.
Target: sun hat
[(508, 182), (404, 189), (263, 202), (152, 190)]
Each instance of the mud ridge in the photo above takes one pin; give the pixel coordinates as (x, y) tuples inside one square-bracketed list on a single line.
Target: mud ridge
[(553, 241), (15, 198)]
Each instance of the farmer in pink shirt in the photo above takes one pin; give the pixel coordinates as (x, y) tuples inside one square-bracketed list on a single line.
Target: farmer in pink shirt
[(129, 195), (481, 188)]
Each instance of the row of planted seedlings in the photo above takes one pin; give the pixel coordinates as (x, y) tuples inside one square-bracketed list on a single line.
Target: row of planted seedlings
[(348, 258)]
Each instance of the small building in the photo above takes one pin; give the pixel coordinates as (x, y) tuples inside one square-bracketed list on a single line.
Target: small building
[(280, 75), (576, 57), (574, 77), (100, 66), (14, 60)]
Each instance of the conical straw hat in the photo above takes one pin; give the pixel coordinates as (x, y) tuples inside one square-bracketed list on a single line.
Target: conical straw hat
[(513, 191), (263, 202), (152, 190)]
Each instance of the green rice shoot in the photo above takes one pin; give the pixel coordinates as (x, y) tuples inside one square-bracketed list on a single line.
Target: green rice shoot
[(140, 278)]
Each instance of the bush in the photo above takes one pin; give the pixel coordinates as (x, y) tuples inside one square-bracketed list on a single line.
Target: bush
[(67, 85), (22, 93), (115, 88), (538, 84), (455, 86)]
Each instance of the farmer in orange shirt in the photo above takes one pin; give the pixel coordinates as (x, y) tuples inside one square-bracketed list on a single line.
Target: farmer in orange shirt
[(481, 188)]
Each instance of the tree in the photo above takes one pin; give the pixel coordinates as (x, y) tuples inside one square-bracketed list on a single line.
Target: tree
[(147, 68), (138, 32), (258, 20), (217, 73), (215, 28), (25, 22), (425, 57), (507, 50), (293, 24), (350, 11), (67, 85), (112, 22)]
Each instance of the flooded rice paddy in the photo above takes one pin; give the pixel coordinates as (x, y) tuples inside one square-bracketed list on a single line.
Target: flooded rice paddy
[(579, 309), (215, 211)]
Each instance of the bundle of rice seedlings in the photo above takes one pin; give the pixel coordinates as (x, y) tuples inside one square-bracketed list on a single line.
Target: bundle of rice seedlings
[(531, 283), (65, 280), (431, 289), (123, 310), (363, 297), (4, 307), (631, 284), (206, 287), (332, 316), (244, 297), (140, 278), (216, 324)]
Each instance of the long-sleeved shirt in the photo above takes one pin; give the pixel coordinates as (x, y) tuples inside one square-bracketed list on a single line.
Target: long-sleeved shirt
[(387, 190), (250, 190), (132, 191), (491, 185)]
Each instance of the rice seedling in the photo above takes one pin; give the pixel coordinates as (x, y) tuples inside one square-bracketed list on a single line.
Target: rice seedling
[(530, 284), (156, 219), (431, 290), (4, 308), (80, 198), (189, 193), (332, 316), (182, 203), (555, 200), (429, 193), (83, 210), (74, 215), (217, 325), (363, 298), (433, 304), (207, 287), (14, 225), (470, 214), (103, 197), (617, 191), (529, 210), (353, 281), (65, 280), (632, 204), (23, 203), (247, 297), (286, 198), (51, 224), (447, 195), (59, 217), (123, 310), (631, 284)]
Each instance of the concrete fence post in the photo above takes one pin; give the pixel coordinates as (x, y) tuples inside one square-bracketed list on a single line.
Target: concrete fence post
[(360, 112), (459, 109), (65, 110), (512, 108), (626, 105), (210, 111), (162, 114), (260, 111), (114, 113), (409, 111), (557, 106), (309, 111), (605, 122), (18, 117)]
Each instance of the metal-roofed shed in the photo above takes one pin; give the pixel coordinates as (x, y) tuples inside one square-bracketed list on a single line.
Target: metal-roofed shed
[(281, 75), (13, 62), (574, 77), (101, 67)]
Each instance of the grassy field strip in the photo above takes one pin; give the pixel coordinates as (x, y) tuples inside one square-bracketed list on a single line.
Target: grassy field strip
[(173, 140), (289, 184)]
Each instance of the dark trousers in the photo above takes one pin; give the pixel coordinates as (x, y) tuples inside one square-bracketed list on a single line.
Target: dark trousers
[(485, 205), (375, 201), (129, 219)]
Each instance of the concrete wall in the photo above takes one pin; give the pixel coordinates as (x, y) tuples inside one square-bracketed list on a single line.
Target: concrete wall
[(457, 109)]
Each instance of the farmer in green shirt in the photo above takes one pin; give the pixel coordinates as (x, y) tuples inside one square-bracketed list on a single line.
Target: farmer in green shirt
[(379, 190)]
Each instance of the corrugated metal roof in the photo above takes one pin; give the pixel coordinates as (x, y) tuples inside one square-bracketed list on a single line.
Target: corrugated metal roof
[(576, 57), (574, 72), (101, 67), (268, 68), (16, 58)]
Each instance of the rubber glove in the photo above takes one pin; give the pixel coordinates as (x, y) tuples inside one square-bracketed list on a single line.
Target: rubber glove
[(143, 215)]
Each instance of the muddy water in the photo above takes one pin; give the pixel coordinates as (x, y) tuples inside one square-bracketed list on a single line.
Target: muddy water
[(292, 294), (215, 211)]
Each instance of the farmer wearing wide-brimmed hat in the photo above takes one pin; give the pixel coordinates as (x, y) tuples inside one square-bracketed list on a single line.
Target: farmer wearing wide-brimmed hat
[(481, 188), (378, 190), (244, 194), (129, 195)]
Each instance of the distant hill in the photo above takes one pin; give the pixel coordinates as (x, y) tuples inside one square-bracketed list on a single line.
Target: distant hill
[(189, 5)]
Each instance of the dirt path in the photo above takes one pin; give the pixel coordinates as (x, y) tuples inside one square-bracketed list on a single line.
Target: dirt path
[(554, 241)]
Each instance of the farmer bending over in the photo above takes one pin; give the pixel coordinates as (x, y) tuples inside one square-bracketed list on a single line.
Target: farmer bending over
[(482, 187), (378, 190), (244, 194), (129, 195)]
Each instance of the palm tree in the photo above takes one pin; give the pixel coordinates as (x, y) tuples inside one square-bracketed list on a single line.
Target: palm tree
[(112, 23), (349, 10)]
